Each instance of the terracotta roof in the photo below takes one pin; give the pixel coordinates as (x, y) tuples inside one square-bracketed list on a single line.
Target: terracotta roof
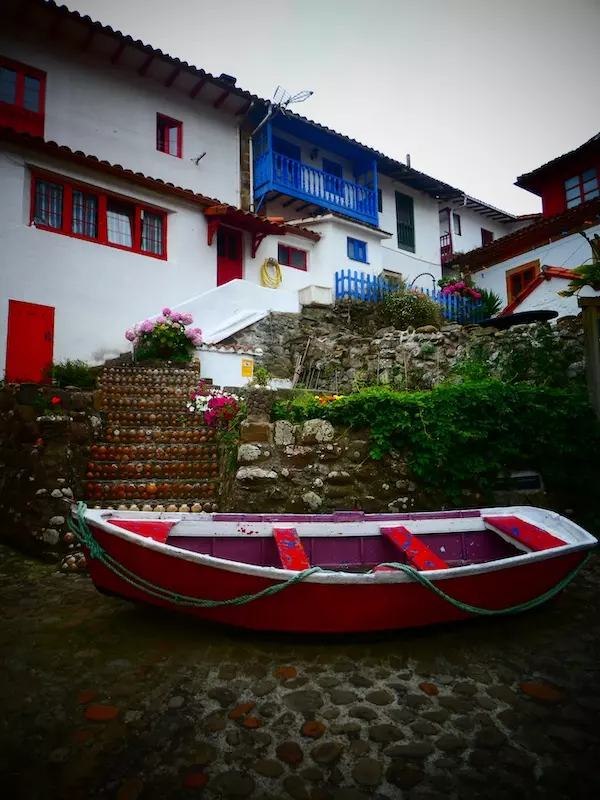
[(547, 229), (546, 274), (531, 180), (78, 157)]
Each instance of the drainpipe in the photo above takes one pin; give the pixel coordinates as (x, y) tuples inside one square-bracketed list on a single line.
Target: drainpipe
[(450, 232)]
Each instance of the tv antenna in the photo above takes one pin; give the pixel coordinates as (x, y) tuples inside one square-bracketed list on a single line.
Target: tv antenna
[(280, 103)]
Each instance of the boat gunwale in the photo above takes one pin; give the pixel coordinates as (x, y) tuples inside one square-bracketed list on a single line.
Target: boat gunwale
[(100, 518)]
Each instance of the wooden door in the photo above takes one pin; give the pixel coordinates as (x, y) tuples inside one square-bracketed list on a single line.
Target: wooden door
[(29, 343), (229, 255)]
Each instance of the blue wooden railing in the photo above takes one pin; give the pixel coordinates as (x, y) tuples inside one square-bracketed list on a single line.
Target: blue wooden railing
[(354, 285), (273, 170)]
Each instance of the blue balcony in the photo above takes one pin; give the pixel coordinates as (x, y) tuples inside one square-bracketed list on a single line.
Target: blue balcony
[(276, 174)]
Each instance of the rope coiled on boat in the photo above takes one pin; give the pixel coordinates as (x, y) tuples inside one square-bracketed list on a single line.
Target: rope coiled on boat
[(81, 529)]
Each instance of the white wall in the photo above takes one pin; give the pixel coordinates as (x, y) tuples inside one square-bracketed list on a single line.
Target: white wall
[(110, 111), (98, 291), (426, 257), (570, 252), (471, 225)]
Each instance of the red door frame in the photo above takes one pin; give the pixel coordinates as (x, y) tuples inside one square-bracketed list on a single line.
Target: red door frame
[(229, 240), (29, 342)]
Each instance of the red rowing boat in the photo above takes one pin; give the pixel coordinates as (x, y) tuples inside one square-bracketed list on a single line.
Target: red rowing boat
[(339, 573)]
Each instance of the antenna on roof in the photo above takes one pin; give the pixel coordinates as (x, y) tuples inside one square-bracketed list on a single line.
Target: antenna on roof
[(280, 102)]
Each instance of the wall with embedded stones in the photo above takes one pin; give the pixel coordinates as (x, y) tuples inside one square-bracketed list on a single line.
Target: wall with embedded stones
[(347, 350), (44, 449)]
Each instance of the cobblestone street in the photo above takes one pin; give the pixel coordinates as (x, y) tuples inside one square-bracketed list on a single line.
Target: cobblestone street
[(103, 699)]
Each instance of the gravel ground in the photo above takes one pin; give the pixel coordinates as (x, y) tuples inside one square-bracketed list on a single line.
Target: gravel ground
[(103, 699)]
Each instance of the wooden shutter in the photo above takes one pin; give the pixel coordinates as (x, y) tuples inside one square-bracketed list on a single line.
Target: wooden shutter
[(405, 219)]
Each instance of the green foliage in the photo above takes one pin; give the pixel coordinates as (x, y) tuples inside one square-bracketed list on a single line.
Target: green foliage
[(463, 435), (587, 274), (491, 303), (73, 373), (409, 308), (165, 343), (261, 376), (474, 364), (427, 349)]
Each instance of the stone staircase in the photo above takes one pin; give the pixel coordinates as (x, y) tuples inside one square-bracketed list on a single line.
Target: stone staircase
[(155, 455)]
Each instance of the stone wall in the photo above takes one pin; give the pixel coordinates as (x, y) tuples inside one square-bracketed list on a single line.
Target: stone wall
[(44, 449), (346, 349), (316, 468)]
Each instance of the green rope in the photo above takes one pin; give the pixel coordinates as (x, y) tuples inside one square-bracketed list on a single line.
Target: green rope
[(80, 528)]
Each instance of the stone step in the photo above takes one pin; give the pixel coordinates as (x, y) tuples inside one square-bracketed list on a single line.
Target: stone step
[(160, 435), (115, 470), (151, 419), (195, 491), (152, 452)]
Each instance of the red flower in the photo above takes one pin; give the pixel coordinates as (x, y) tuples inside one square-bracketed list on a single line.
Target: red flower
[(55, 401)]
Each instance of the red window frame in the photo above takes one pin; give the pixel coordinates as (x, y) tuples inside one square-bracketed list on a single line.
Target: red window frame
[(287, 262), (519, 278), (163, 143), (103, 198), (487, 237), (14, 115), (583, 195)]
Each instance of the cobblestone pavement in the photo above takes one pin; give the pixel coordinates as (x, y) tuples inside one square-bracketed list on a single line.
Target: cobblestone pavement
[(102, 699)]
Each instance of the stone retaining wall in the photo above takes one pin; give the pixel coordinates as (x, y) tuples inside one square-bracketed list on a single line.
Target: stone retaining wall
[(44, 448), (346, 349)]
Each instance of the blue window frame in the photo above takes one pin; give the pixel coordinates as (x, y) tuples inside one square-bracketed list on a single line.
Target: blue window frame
[(357, 250)]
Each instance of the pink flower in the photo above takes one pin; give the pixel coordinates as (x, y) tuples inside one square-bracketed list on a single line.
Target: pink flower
[(147, 326), (187, 319), (175, 316), (476, 295), (460, 285), (176, 325), (161, 320), (166, 312), (130, 335)]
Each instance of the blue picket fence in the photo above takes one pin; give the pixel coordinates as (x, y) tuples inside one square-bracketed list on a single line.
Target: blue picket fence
[(352, 285)]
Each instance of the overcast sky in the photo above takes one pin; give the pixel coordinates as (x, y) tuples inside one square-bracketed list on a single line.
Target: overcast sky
[(477, 91)]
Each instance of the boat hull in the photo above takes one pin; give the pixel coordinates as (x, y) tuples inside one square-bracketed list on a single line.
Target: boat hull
[(314, 607)]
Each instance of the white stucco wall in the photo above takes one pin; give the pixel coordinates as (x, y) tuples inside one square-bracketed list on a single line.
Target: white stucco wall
[(570, 252), (471, 225), (426, 257), (110, 111), (98, 291)]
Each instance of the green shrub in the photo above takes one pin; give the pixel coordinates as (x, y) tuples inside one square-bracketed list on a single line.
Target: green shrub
[(409, 308), (459, 436), (73, 373), (491, 304)]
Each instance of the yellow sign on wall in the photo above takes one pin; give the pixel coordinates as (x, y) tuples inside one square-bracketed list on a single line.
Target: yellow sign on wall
[(247, 367)]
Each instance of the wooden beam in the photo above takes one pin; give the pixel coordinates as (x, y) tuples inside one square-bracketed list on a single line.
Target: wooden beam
[(221, 99), (173, 77), (302, 207), (289, 202), (88, 40), (118, 53), (198, 88), (146, 65)]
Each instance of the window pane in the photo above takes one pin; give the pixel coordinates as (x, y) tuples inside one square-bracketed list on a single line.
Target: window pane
[(405, 221), (8, 85), (589, 185), (152, 233), (85, 214), (119, 223), (456, 218), (283, 255), (571, 193), (591, 194), (590, 173), (31, 94), (173, 140), (575, 202), (572, 182), (298, 258), (48, 204)]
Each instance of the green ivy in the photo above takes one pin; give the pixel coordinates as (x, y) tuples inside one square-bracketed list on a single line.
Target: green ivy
[(459, 436)]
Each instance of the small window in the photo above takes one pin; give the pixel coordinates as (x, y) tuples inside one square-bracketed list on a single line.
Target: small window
[(379, 200), (291, 257), (152, 232), (169, 135), (285, 148), (119, 223), (457, 225), (405, 222), (22, 90), (357, 250), (487, 237), (85, 214), (519, 278), (48, 204), (581, 188)]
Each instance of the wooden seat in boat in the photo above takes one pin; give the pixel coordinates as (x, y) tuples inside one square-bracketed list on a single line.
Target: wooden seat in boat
[(415, 549), (523, 532), (291, 551)]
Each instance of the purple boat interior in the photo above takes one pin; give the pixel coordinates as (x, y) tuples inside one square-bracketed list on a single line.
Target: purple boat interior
[(351, 552)]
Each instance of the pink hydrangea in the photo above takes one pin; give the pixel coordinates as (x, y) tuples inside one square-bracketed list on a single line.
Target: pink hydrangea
[(187, 319), (130, 335), (147, 326), (161, 320), (166, 312), (476, 295), (175, 316), (460, 285)]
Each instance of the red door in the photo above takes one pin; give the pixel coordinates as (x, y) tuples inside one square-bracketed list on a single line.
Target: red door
[(229, 255), (30, 342)]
